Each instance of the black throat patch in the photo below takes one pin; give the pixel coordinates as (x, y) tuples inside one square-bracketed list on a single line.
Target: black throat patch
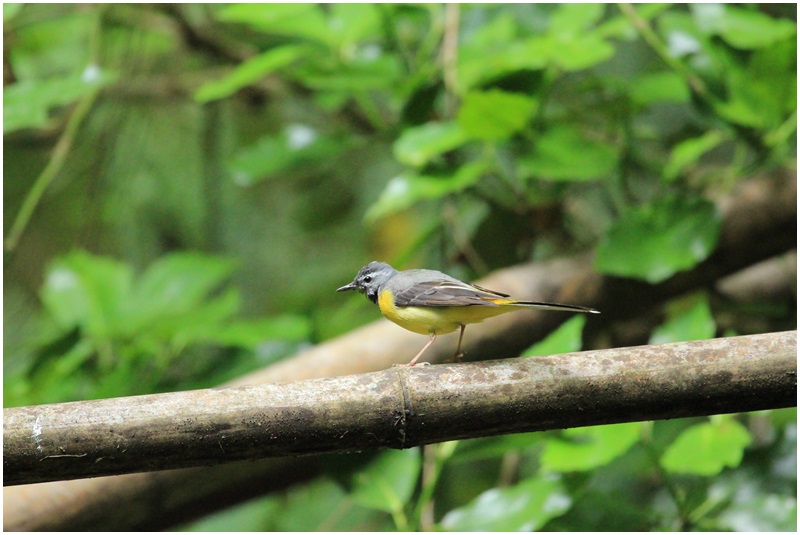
[(373, 296)]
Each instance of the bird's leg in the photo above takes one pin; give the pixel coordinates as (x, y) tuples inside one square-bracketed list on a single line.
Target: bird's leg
[(459, 354), (414, 360)]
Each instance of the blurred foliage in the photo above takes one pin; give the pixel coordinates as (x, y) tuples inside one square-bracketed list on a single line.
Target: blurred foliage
[(102, 326), (185, 185)]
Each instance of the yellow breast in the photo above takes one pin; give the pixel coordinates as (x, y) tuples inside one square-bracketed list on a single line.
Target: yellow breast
[(439, 320)]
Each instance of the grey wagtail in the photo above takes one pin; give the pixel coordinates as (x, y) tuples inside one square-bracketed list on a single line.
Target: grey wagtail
[(429, 302)]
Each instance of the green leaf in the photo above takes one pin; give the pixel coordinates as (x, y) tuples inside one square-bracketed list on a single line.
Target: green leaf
[(494, 32), (495, 114), (301, 20), (526, 506), (494, 51), (179, 282), (563, 153), (250, 72), (308, 507), (656, 240), (200, 324), (69, 363), (653, 88), (405, 190), (742, 28), (252, 333), (171, 304), (358, 75), (772, 72), (27, 104), (618, 26), (266, 158), (481, 66), (764, 93), (387, 481), (89, 292), (565, 339), (574, 45), (581, 51), (706, 449), (688, 319), (420, 144), (572, 19), (682, 36), (354, 22), (586, 448), (11, 10), (296, 146), (687, 152), (496, 446)]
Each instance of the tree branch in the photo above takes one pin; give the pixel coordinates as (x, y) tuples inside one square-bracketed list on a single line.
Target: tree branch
[(398, 408)]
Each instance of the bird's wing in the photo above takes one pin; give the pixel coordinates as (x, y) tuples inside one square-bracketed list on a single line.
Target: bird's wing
[(445, 293)]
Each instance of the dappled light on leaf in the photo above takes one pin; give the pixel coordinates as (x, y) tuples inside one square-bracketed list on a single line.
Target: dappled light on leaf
[(706, 449), (656, 240), (563, 153), (526, 506), (587, 448)]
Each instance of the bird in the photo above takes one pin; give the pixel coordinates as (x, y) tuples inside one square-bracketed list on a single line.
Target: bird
[(427, 301)]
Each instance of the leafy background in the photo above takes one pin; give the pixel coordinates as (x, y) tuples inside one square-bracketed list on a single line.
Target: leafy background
[(186, 184)]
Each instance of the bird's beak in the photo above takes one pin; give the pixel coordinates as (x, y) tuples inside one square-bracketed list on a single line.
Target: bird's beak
[(351, 286)]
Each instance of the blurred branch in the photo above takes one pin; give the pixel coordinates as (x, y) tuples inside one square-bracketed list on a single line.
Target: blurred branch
[(60, 151), (659, 47), (398, 408), (780, 136), (452, 15), (215, 43), (771, 280), (759, 222), (56, 163)]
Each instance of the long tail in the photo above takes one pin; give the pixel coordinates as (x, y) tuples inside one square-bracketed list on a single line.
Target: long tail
[(551, 306)]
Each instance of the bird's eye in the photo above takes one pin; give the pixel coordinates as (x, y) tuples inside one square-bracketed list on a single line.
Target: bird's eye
[(368, 278)]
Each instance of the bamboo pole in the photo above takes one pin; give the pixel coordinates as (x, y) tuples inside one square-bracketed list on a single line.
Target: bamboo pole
[(399, 407)]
